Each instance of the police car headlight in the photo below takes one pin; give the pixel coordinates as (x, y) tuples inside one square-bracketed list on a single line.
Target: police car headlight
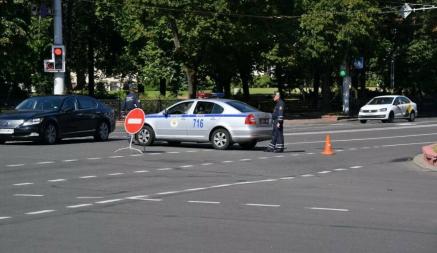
[(383, 110), (32, 122)]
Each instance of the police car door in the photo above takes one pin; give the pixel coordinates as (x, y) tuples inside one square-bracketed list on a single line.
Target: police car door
[(203, 121), (174, 124)]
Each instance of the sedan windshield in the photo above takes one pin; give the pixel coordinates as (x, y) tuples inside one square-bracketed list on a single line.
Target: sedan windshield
[(381, 101), (40, 104), (242, 107)]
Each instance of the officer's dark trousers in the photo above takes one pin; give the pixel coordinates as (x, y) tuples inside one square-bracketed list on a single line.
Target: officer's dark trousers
[(277, 137)]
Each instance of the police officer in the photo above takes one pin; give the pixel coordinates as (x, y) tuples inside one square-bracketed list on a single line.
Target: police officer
[(277, 143), (131, 101)]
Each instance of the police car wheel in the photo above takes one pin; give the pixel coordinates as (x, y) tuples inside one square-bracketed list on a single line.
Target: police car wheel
[(363, 121), (412, 117), (221, 139), (145, 137), (247, 145)]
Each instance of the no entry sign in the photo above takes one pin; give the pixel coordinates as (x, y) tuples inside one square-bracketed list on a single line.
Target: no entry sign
[(134, 121)]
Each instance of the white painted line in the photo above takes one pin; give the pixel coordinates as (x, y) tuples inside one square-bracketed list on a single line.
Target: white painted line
[(115, 156), (356, 167), (108, 201), (167, 193), (5, 217), (409, 144), (287, 178), (94, 158), (263, 157), (57, 180), (146, 199), (173, 152), (206, 164), (191, 151), (340, 169), (47, 162), (339, 150), (28, 195), (71, 160), (245, 159), (15, 165), (353, 149), (141, 171), (310, 153), (186, 166), (207, 150), (154, 154), (89, 197), (86, 177), (164, 169), (40, 212), (21, 184), (328, 209), (262, 205), (116, 174), (79, 205), (194, 189), (227, 161), (279, 156), (136, 155), (221, 185), (324, 172), (307, 175), (137, 197), (203, 202)]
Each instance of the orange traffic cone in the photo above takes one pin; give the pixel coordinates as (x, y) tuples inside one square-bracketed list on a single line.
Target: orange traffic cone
[(328, 147)]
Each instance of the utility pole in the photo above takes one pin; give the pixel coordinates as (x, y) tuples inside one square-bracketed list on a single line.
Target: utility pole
[(59, 86)]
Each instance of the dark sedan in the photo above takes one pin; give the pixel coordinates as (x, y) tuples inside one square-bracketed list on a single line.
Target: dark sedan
[(51, 118)]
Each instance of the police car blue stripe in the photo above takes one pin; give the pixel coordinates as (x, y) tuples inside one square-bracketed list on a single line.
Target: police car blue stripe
[(198, 115)]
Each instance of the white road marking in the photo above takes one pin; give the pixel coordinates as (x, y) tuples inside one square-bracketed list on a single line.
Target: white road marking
[(279, 156), (310, 153), (167, 193), (203, 202), (47, 162), (21, 184), (356, 167), (186, 166), (89, 197), (57, 180), (154, 153), (191, 151), (116, 174), (28, 195), (227, 161), (340, 169), (307, 175), (328, 209), (324, 172), (164, 169), (71, 160), (136, 155), (206, 164), (220, 185), (141, 171), (115, 156), (5, 217), (287, 178), (80, 205), (137, 197), (86, 177), (194, 189), (263, 157), (40, 212), (108, 201), (15, 165), (94, 158), (146, 199), (245, 159), (207, 150), (339, 150), (409, 144), (262, 205), (173, 152)]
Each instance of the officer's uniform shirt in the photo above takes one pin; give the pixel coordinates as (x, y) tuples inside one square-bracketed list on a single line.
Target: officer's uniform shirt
[(131, 102), (278, 112)]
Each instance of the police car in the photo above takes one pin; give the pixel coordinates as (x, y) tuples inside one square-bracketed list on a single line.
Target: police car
[(220, 122)]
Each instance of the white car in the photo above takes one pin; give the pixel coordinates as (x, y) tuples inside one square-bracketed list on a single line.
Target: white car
[(221, 122), (388, 108)]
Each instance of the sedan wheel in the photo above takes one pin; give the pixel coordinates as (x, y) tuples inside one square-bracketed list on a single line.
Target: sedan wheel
[(412, 117), (50, 134), (145, 137), (363, 121), (221, 139), (391, 117), (102, 132)]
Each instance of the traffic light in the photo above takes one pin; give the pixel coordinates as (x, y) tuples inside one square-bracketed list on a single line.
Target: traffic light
[(58, 57), (343, 71)]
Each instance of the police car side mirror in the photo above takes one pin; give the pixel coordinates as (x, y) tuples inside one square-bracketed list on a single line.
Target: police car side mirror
[(165, 113)]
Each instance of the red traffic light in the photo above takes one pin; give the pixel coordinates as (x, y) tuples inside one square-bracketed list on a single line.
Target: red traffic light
[(57, 51)]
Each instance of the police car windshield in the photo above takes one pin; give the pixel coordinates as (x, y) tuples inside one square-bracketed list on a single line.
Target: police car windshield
[(242, 107), (40, 104)]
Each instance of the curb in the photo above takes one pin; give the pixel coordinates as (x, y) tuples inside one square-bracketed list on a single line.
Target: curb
[(429, 155), (420, 161)]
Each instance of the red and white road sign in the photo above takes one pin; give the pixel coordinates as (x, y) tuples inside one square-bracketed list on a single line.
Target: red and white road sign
[(134, 121)]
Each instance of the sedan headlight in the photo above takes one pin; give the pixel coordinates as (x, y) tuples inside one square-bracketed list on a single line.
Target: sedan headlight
[(383, 110), (361, 109), (31, 122)]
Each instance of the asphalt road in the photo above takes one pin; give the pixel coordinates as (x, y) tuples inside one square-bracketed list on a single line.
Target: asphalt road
[(80, 196)]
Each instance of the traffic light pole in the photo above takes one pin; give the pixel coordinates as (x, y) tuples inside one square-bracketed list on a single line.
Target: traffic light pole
[(59, 86)]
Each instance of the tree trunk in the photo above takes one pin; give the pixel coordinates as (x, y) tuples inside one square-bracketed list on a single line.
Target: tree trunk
[(90, 67), (245, 81), (81, 79), (326, 92), (192, 81), (316, 87)]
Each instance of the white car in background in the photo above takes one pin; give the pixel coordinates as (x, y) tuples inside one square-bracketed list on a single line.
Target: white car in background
[(388, 108)]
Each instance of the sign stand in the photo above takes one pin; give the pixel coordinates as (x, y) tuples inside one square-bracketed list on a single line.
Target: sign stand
[(133, 123)]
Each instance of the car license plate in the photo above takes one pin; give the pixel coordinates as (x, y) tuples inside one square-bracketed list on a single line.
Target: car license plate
[(264, 121), (6, 131)]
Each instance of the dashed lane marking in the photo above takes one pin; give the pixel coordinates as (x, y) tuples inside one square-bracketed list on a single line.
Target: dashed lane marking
[(287, 178), (86, 177), (116, 156), (245, 159), (57, 180), (191, 151), (165, 169), (173, 152), (5, 217), (15, 165), (22, 184), (28, 195), (80, 205), (307, 175), (70, 160), (136, 155), (324, 172), (41, 212), (278, 156), (340, 169), (167, 193), (46, 162), (94, 158), (227, 161), (116, 174), (356, 167), (206, 164), (328, 209), (147, 199), (261, 205), (141, 171), (154, 154), (203, 202), (195, 189), (108, 201), (186, 166), (89, 197)]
